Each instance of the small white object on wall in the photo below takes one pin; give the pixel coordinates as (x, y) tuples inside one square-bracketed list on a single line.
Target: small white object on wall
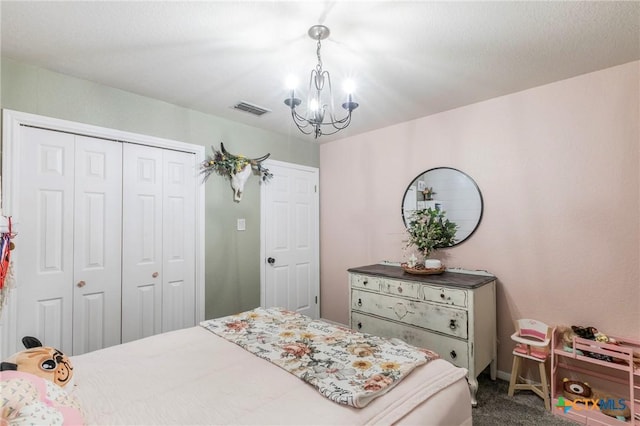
[(241, 224)]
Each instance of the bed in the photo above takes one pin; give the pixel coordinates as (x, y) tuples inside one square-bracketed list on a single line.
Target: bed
[(194, 376)]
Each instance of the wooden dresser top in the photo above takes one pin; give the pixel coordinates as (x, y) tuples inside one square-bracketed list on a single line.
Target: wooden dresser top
[(447, 278)]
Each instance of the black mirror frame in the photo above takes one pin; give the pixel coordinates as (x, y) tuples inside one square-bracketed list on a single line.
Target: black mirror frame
[(404, 219)]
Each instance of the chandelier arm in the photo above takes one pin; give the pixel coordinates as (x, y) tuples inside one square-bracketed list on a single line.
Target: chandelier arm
[(303, 127), (327, 76), (336, 130), (303, 122), (313, 80), (342, 124), (307, 127), (300, 121)]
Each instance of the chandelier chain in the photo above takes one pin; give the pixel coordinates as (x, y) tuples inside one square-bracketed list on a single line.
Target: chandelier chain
[(319, 66)]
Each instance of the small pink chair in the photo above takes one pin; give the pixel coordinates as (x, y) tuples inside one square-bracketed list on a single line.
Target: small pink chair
[(532, 342)]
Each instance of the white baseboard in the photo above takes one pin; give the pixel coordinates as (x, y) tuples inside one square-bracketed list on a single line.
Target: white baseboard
[(334, 323), (506, 376), (503, 375)]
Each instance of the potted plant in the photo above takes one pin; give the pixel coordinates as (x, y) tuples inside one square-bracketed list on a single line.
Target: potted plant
[(429, 230), (428, 193)]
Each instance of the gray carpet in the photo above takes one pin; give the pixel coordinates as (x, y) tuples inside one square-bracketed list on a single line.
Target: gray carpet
[(525, 408)]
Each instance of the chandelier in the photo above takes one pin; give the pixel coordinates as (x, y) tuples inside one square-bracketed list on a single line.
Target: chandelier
[(319, 117)]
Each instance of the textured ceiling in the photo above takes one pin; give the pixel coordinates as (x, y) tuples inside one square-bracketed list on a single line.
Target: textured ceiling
[(408, 59)]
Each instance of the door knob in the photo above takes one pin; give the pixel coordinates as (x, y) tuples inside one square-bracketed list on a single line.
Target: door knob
[(271, 260), (81, 284), (154, 275)]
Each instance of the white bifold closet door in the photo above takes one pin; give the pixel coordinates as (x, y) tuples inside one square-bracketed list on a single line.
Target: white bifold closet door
[(70, 193), (158, 280), (107, 240)]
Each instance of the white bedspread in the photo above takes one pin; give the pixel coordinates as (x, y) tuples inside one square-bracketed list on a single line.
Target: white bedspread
[(191, 376)]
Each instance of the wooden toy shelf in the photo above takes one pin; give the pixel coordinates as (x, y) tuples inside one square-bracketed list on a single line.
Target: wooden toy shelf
[(622, 353)]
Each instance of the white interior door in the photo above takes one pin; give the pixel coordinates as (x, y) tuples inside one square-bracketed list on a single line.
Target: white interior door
[(178, 241), (44, 264), (290, 239), (142, 242), (97, 244)]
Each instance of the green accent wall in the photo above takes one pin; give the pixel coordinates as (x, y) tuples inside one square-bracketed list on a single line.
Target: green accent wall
[(232, 258)]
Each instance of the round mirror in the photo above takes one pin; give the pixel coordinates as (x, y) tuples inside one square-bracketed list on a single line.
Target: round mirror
[(449, 190)]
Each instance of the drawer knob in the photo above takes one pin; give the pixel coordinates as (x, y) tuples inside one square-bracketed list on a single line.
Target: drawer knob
[(359, 325), (452, 324), (453, 354), (399, 289), (81, 284), (442, 295), (359, 302), (365, 282)]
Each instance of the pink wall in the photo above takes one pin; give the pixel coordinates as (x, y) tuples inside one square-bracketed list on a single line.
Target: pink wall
[(559, 171)]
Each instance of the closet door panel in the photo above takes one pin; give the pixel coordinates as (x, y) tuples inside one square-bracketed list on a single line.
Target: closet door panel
[(142, 241), (178, 308), (45, 259), (97, 244)]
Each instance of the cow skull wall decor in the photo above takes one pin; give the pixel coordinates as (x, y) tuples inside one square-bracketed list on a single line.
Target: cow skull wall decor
[(236, 168)]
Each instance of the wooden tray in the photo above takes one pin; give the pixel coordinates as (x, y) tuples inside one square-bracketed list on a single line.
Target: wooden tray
[(422, 270)]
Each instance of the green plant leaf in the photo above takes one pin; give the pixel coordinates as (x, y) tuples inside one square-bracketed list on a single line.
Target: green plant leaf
[(429, 229)]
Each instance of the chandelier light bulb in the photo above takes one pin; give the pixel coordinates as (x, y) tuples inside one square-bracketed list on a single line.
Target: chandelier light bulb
[(291, 82), (349, 86)]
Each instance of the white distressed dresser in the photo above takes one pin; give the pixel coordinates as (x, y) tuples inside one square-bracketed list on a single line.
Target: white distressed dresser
[(453, 313)]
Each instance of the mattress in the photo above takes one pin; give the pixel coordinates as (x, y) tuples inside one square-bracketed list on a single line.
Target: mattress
[(194, 377)]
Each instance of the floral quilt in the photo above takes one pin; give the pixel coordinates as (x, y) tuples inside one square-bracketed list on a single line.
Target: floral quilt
[(345, 366)]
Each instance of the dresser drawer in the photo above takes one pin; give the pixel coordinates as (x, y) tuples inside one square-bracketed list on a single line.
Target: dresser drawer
[(443, 319), (400, 288), (451, 349), (365, 281), (448, 296)]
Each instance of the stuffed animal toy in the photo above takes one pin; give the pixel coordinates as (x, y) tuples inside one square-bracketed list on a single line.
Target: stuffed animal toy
[(581, 391), (592, 333), (34, 385), (567, 334), (43, 361), (573, 389)]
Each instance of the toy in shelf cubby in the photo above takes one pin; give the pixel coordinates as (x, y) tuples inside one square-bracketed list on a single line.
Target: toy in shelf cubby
[(615, 364)]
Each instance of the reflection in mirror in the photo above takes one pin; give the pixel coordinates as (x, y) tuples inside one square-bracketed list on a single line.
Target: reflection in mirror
[(447, 189)]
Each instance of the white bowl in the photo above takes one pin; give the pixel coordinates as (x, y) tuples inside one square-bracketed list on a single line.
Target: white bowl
[(432, 263)]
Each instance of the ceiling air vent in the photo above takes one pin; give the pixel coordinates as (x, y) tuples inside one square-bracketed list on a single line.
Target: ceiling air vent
[(251, 108)]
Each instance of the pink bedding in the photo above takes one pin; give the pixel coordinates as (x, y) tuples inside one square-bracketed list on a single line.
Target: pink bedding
[(192, 376)]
